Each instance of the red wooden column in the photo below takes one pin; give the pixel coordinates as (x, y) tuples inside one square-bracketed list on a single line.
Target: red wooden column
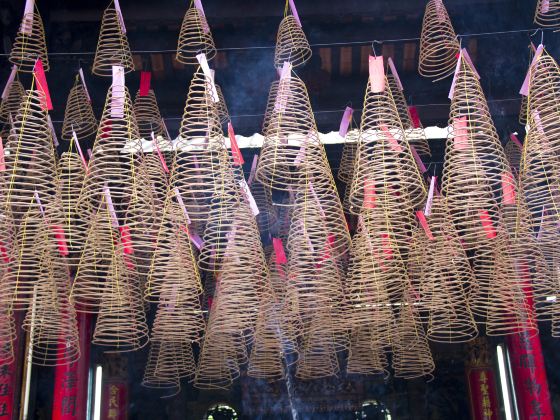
[(71, 381), (481, 381), (529, 377), (10, 376)]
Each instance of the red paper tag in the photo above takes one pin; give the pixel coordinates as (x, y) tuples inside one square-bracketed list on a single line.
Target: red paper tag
[(376, 74), (460, 133), (386, 245), (145, 78), (60, 239), (161, 158), (487, 223), (41, 80), (369, 194), (235, 151), (279, 251), (392, 140), (106, 129), (414, 116), (424, 223), (4, 253), (126, 240), (514, 139), (508, 188)]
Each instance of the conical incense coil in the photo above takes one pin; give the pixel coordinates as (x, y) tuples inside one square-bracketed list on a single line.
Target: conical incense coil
[(265, 360), (318, 358), (10, 105), (346, 166), (112, 45), (523, 110), (148, 117), (121, 323), (413, 131), (29, 44), (438, 42), (547, 14), (201, 161), (513, 155), (176, 358), (157, 381), (291, 139), (291, 43), (266, 218), (78, 115), (151, 168), (95, 261), (502, 299), (412, 357), (223, 111), (366, 356), (375, 280), (51, 318), (270, 105), (384, 159), (8, 245), (7, 334), (30, 165), (113, 162), (194, 38), (71, 175)]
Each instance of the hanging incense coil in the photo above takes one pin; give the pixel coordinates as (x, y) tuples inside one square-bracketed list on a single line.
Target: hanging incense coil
[(10, 105), (547, 14), (78, 115), (94, 264), (113, 163), (112, 45), (152, 169), (29, 44), (270, 105), (201, 163), (513, 155), (266, 218), (346, 166), (523, 110), (8, 245), (71, 175), (366, 356), (30, 163), (195, 38), (154, 380), (413, 130), (291, 43), (175, 358), (223, 112), (148, 117), (7, 333), (121, 323), (501, 298), (384, 162), (438, 42), (412, 357)]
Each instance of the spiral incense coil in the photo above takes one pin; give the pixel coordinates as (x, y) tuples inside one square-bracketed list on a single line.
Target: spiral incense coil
[(366, 356), (8, 247), (384, 160), (113, 163), (151, 168), (501, 298), (375, 280), (318, 358), (412, 357), (10, 105), (547, 14), (71, 175), (78, 115), (51, 318), (291, 44), (346, 166), (154, 380), (148, 117), (270, 105), (266, 218), (29, 44), (195, 38), (513, 155), (121, 323), (438, 42), (523, 110), (112, 45), (265, 360), (223, 111), (415, 135), (30, 165), (7, 334)]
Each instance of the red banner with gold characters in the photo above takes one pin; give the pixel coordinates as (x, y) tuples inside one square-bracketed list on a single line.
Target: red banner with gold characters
[(10, 378), (115, 400), (482, 389), (529, 376)]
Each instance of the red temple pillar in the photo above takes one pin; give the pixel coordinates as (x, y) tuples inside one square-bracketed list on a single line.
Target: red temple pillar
[(10, 376), (114, 394), (71, 381), (482, 382), (529, 377)]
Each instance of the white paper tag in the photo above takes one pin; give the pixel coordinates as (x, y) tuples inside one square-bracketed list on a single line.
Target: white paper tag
[(11, 79), (51, 126), (119, 13), (117, 92), (249, 196), (206, 70), (27, 21), (81, 73)]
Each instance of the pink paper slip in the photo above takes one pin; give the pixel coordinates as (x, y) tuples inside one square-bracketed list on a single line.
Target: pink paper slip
[(514, 139), (525, 87), (393, 142), (487, 224), (376, 74), (424, 223), (41, 80), (253, 169), (2, 158), (81, 73), (117, 93), (345, 122), (9, 82), (369, 194), (182, 204), (508, 188), (249, 196), (198, 6), (161, 158), (235, 151), (206, 70), (460, 133), (279, 251), (395, 74), (120, 15), (454, 82), (110, 206), (429, 201), (78, 147), (294, 12), (418, 159)]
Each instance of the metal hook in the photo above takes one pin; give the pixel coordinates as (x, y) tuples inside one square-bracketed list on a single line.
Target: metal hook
[(536, 31), (373, 47), (459, 38)]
